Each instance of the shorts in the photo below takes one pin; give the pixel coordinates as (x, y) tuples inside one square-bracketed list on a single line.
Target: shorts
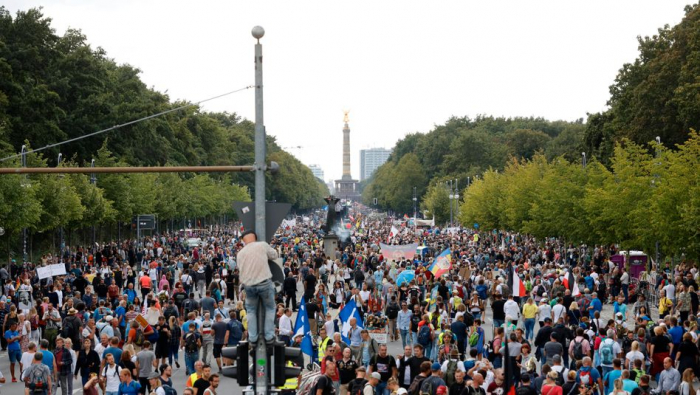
[(217, 350), (15, 355)]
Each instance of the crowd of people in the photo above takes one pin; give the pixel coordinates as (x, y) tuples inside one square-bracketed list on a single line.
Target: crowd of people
[(123, 313)]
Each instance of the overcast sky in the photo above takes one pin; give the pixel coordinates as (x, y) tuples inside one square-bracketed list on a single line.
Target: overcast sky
[(398, 66)]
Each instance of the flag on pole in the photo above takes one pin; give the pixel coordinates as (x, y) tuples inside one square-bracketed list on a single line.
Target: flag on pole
[(349, 311), (442, 264), (393, 232), (571, 284), (302, 327), (508, 384), (517, 284)]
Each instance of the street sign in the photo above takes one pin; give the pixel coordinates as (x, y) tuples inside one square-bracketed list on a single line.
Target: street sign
[(144, 222)]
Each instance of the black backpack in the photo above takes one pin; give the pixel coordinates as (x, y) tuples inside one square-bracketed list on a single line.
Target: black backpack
[(392, 311), (191, 342)]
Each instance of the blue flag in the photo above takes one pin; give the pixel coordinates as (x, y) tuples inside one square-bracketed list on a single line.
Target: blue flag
[(349, 311), (301, 327)]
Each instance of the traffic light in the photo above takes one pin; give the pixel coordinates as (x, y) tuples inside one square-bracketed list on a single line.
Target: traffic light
[(240, 369), (281, 371)]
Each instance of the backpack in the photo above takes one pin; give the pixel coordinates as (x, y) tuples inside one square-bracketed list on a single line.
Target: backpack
[(426, 388), (606, 352), (35, 378), (360, 388), (578, 350), (67, 330), (392, 311), (187, 306), (169, 390), (191, 343), (414, 388), (139, 338), (585, 378), (424, 335), (236, 329), (450, 373), (474, 338), (468, 319)]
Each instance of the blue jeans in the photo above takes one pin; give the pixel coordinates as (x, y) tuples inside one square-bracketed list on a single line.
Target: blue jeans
[(264, 291), (405, 337), (173, 354), (626, 291), (380, 389), (529, 328), (190, 359)]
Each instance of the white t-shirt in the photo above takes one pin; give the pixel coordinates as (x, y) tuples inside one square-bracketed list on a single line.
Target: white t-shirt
[(559, 311), (26, 359), (112, 376), (670, 291), (364, 295), (633, 356), (544, 311)]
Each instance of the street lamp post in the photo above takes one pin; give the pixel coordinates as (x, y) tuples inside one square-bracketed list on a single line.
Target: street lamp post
[(456, 194), (23, 161), (451, 196), (93, 181), (62, 244), (658, 144)]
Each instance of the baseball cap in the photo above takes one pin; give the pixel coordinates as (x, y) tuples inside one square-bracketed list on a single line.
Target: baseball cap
[(401, 391), (153, 375), (376, 375), (441, 390), (435, 366), (547, 319), (646, 318)]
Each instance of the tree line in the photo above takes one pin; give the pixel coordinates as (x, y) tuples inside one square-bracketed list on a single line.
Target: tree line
[(57, 87), (648, 194)]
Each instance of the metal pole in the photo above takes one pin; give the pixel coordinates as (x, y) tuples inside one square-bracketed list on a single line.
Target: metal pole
[(260, 147), (93, 181), (24, 230), (457, 198), (583, 159), (450, 196), (261, 370), (62, 244), (658, 143)]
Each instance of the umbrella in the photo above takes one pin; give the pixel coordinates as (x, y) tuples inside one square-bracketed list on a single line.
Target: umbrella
[(405, 277)]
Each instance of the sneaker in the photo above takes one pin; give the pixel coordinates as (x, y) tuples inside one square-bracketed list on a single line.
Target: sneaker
[(177, 364), (14, 380)]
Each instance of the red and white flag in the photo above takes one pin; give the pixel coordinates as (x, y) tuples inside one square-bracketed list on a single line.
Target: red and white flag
[(517, 286)]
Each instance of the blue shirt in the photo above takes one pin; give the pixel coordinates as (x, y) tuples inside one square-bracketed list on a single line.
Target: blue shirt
[(403, 321), (186, 327), (676, 334), (355, 337), (120, 312), (596, 305), (48, 359), (15, 344), (130, 389), (609, 380), (115, 351)]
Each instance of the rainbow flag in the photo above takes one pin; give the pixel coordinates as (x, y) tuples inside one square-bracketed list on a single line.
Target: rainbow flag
[(442, 264)]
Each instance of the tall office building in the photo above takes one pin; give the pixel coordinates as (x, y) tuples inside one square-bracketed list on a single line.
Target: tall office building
[(371, 159), (317, 171)]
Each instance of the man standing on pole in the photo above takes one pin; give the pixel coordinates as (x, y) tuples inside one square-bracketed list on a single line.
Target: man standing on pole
[(256, 278)]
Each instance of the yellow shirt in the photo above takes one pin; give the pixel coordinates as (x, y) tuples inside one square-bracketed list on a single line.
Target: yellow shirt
[(529, 310), (665, 305)]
